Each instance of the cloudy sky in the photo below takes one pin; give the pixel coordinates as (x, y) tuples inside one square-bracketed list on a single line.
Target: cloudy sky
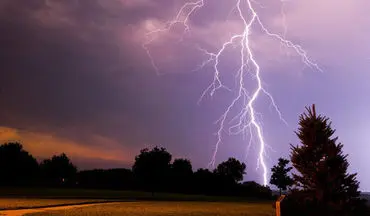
[(76, 79)]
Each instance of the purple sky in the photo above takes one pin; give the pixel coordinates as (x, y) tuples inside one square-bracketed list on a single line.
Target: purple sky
[(75, 78)]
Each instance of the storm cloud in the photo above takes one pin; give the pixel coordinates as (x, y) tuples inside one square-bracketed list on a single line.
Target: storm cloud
[(75, 78)]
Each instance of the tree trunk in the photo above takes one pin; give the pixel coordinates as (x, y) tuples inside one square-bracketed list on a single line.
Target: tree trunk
[(280, 191)]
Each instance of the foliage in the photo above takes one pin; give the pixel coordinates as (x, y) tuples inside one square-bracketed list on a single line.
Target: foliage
[(253, 189), (280, 175), (322, 184), (152, 171), (151, 168), (181, 174), (106, 179), (17, 166), (203, 182), (325, 186), (58, 170), (182, 167), (231, 169)]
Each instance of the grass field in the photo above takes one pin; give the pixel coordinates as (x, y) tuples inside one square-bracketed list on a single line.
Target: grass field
[(154, 208), (22, 203), (59, 193), (146, 203)]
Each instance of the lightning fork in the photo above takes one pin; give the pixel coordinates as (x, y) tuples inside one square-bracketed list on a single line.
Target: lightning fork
[(193, 6), (247, 119)]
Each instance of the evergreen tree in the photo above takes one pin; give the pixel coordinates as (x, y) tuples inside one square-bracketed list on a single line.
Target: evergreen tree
[(322, 179), (280, 177)]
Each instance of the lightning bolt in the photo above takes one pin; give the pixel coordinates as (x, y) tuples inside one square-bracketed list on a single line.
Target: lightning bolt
[(247, 120)]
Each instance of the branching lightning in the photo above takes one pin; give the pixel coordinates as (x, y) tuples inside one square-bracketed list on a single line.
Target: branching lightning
[(247, 120)]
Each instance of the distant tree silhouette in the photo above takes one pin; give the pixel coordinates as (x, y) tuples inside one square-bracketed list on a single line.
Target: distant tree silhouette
[(280, 175), (17, 166), (182, 167), (232, 169), (253, 189), (181, 173), (204, 182), (152, 168), (324, 184), (152, 171), (58, 170), (121, 179)]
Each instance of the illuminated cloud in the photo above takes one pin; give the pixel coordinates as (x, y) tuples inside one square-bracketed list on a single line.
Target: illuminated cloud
[(43, 145), (74, 73)]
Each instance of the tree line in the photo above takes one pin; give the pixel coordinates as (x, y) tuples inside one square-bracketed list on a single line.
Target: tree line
[(317, 182), (154, 170)]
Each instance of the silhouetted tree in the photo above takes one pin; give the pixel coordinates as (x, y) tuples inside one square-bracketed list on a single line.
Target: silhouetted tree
[(58, 170), (181, 173), (204, 182), (280, 175), (232, 169), (17, 166), (117, 179), (253, 189), (152, 168), (182, 167), (326, 187)]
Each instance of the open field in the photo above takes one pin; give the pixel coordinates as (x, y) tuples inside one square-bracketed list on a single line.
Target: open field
[(21, 212), (34, 201), (60, 193), (24, 203), (155, 208)]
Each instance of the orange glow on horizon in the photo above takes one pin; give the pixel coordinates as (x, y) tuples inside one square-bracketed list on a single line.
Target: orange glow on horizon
[(42, 145)]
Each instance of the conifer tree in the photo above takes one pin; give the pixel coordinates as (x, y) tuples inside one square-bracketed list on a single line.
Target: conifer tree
[(322, 178)]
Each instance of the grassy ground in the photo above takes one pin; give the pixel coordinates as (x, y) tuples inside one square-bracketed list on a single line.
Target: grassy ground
[(50, 193), (59, 193), (166, 209), (25, 203)]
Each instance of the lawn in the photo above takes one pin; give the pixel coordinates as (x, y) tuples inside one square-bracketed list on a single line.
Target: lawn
[(22, 203), (155, 208), (65, 193)]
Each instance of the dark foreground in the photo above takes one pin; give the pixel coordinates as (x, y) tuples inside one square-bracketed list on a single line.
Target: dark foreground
[(59, 193), (37, 201), (155, 208)]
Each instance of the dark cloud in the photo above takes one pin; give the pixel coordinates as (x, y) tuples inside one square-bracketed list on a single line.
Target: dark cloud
[(52, 75), (74, 73), (56, 80)]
